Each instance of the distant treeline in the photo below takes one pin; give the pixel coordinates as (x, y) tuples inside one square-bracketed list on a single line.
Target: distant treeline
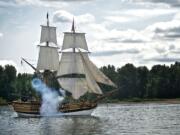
[(138, 82), (14, 86), (133, 82)]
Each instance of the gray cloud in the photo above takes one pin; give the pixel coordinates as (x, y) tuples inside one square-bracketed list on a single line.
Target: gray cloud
[(175, 51), (163, 59), (172, 3), (110, 53), (65, 0), (170, 33), (6, 3), (64, 16), (117, 40)]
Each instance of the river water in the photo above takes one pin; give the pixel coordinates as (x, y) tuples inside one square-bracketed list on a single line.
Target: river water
[(107, 119)]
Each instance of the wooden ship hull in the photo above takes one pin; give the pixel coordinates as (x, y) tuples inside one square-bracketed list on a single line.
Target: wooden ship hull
[(32, 109)]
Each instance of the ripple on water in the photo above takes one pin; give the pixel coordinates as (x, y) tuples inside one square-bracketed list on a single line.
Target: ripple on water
[(107, 119)]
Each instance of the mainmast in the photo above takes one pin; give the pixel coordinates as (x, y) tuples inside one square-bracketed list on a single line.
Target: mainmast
[(47, 42), (73, 31), (76, 73)]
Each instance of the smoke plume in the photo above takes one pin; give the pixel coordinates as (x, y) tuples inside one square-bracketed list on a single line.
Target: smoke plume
[(50, 98)]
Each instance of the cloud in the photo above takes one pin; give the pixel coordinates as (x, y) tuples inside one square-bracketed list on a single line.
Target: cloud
[(62, 16), (163, 59), (172, 3), (118, 40), (115, 52), (1, 35), (126, 36), (66, 0), (42, 3), (118, 19), (4, 3), (7, 62), (18, 3), (131, 15), (169, 30)]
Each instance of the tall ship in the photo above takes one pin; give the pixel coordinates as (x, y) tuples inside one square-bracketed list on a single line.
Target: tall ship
[(74, 72)]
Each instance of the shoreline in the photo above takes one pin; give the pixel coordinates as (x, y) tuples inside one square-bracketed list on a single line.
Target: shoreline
[(133, 101), (146, 101)]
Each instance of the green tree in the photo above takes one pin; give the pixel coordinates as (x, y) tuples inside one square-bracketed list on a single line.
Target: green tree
[(142, 79), (8, 77), (127, 81)]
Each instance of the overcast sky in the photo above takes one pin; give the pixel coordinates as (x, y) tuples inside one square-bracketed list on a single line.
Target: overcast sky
[(142, 32)]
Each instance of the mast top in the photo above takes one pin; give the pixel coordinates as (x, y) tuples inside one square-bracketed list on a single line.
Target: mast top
[(73, 27), (47, 19)]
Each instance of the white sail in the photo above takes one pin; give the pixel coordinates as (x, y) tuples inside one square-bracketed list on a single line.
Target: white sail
[(77, 64), (74, 63), (48, 58), (97, 74), (74, 40), (48, 34), (70, 63), (76, 86), (91, 82)]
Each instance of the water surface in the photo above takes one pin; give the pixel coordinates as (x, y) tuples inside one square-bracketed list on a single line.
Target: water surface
[(107, 119)]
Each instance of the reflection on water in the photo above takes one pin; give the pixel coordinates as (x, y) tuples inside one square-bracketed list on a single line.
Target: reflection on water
[(111, 119), (69, 126)]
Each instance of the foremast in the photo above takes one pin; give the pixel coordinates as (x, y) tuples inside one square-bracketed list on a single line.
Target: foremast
[(76, 73), (48, 60)]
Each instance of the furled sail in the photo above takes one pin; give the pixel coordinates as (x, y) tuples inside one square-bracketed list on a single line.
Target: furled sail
[(48, 34), (48, 58), (74, 40)]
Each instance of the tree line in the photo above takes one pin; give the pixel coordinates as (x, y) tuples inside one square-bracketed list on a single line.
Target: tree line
[(160, 81)]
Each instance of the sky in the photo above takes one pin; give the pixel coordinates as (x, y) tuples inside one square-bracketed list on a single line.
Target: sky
[(142, 32)]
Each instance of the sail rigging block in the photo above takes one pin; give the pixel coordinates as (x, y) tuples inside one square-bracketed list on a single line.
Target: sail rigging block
[(74, 40), (48, 58), (48, 34)]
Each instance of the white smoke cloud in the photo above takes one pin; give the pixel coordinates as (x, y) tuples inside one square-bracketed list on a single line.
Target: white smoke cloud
[(50, 98)]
